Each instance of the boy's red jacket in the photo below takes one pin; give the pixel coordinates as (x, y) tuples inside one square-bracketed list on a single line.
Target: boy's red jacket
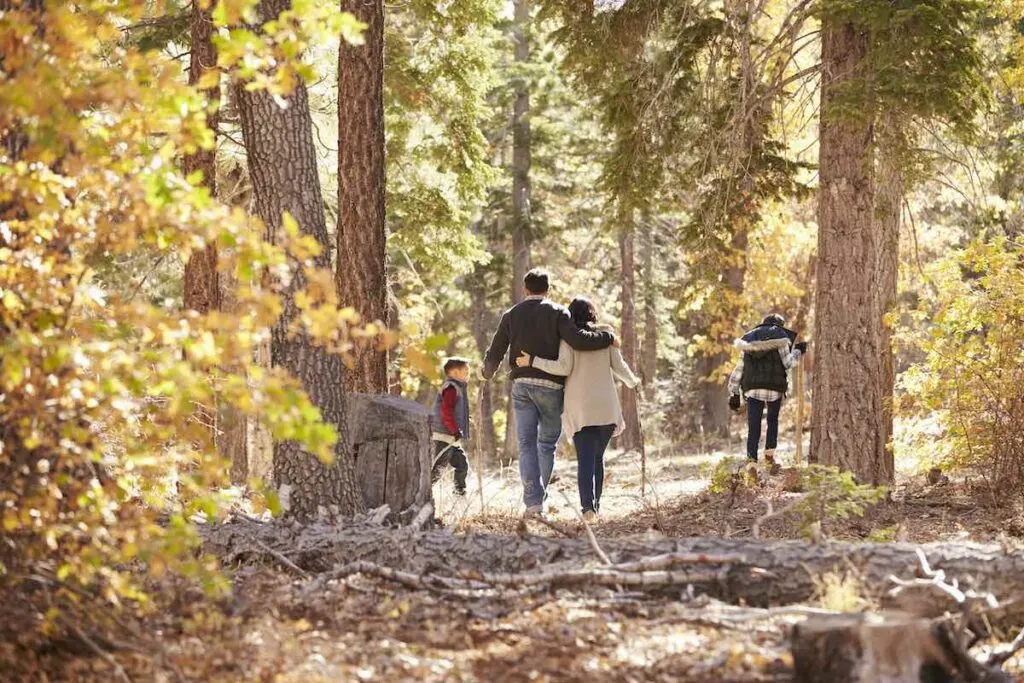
[(448, 399)]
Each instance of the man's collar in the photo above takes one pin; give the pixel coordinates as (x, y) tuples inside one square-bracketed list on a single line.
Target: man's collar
[(534, 297)]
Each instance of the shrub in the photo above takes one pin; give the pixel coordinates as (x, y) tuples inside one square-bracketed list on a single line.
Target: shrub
[(974, 368), (832, 494)]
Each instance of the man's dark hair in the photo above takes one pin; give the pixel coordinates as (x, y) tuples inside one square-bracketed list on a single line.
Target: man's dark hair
[(455, 363), (536, 281), (774, 319)]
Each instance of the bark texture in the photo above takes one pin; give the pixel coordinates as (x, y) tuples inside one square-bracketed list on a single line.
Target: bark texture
[(283, 172), (631, 437), (848, 429), (362, 236), (391, 447), (202, 283)]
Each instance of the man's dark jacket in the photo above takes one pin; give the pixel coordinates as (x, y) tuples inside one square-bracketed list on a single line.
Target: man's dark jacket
[(536, 326)]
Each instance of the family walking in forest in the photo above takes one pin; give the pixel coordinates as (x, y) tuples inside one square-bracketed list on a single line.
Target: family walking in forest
[(563, 365)]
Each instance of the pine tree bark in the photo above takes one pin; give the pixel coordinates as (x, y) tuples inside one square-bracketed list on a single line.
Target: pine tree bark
[(283, 171), (649, 351), (631, 437), (362, 237), (521, 161), (848, 429), (202, 284), (888, 214)]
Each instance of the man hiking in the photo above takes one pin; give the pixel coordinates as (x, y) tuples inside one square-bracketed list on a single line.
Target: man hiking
[(762, 378), (536, 326)]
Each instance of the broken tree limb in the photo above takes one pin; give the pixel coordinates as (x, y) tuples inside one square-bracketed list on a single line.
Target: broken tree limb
[(320, 547), (423, 516), (593, 576)]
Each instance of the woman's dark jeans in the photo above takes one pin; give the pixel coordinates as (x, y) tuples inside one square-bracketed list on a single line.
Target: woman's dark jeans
[(755, 409), (591, 443)]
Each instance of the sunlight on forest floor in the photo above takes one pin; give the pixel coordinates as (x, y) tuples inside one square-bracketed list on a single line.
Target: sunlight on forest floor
[(275, 627)]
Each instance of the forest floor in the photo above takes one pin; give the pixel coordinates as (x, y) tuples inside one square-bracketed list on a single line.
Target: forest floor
[(279, 625)]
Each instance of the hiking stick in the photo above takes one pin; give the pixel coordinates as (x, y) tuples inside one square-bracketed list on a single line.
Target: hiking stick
[(643, 457), (799, 381)]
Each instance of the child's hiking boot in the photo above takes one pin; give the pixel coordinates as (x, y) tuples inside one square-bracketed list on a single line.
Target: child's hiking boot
[(590, 517), (769, 462)]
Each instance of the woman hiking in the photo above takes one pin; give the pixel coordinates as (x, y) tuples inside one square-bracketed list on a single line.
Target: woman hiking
[(591, 414)]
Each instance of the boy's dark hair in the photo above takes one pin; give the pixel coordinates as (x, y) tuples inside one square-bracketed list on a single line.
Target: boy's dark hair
[(774, 319), (582, 312), (536, 281), (455, 363)]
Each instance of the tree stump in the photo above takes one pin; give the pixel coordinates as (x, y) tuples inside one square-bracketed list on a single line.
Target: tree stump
[(391, 447), (868, 648)]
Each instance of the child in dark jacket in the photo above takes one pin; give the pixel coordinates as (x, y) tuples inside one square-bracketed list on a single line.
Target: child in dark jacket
[(450, 423)]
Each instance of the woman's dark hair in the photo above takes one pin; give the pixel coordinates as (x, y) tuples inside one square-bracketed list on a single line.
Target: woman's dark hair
[(582, 312), (774, 319)]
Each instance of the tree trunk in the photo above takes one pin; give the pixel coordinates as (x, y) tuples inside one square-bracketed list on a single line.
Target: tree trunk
[(888, 212), (521, 159), (631, 437), (715, 368), (203, 289), (482, 327), (649, 351), (848, 429), (202, 286), (283, 171), (240, 437), (745, 152), (362, 266)]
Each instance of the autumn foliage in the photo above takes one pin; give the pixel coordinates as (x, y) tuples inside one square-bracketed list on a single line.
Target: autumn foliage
[(103, 457)]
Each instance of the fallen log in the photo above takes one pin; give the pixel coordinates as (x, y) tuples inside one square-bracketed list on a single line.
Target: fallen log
[(792, 564)]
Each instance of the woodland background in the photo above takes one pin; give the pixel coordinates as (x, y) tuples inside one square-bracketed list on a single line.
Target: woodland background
[(219, 219)]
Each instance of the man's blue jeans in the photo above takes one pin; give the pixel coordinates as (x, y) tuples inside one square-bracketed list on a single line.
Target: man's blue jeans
[(538, 415)]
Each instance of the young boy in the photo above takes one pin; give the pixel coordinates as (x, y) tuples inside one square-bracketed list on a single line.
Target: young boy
[(450, 423)]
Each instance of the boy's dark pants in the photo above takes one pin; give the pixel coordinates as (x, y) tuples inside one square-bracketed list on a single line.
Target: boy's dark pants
[(454, 456), (755, 409)]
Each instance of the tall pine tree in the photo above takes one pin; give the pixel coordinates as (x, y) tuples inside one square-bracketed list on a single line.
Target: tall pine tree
[(362, 236), (283, 171)]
